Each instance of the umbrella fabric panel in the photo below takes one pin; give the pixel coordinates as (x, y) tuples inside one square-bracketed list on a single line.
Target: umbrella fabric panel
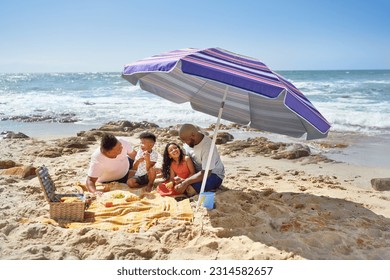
[(250, 75), (298, 102), (308, 112), (204, 97), (216, 65), (209, 99), (272, 115), (234, 63), (312, 132), (173, 86), (164, 62), (256, 95)]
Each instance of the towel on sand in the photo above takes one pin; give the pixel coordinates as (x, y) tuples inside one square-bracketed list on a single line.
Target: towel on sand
[(133, 210)]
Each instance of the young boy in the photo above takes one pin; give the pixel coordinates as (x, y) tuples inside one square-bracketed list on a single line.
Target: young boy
[(144, 162)]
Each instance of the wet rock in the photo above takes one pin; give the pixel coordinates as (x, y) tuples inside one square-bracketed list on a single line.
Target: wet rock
[(50, 152), (294, 151), (273, 146), (67, 118), (111, 127), (61, 118), (125, 124), (173, 132), (128, 126), (5, 164), (265, 147), (380, 184), (74, 142), (223, 138), (221, 127), (326, 145), (120, 128), (13, 135), (66, 146), (20, 171), (226, 135), (91, 134), (236, 146), (90, 138)]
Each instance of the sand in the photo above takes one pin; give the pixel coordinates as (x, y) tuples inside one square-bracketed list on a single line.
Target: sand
[(279, 209)]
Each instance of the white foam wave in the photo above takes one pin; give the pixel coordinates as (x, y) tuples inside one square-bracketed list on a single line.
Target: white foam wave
[(374, 119), (96, 98)]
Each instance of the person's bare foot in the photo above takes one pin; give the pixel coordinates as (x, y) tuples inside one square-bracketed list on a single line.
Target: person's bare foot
[(148, 188)]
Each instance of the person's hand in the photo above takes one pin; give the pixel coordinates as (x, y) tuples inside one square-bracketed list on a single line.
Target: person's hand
[(98, 193), (141, 159), (146, 155), (178, 180), (180, 187)]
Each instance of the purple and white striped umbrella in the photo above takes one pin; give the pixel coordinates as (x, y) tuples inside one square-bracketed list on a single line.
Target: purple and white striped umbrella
[(231, 86)]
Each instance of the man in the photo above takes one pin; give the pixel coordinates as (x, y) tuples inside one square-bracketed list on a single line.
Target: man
[(197, 146), (111, 162)]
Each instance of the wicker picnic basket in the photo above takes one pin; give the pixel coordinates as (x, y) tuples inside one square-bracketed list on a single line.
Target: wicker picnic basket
[(71, 211)]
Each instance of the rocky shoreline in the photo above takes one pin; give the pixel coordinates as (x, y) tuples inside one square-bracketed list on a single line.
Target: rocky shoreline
[(60, 118), (227, 145), (250, 147)]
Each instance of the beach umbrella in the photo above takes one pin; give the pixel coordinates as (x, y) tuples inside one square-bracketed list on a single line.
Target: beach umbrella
[(230, 86)]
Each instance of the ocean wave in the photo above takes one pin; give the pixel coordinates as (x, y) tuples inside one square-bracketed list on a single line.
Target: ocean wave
[(350, 102)]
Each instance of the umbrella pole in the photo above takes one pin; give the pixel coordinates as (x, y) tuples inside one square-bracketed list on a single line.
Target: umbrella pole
[(212, 147)]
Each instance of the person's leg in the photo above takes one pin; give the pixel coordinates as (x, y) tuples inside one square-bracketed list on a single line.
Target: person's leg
[(131, 162), (190, 191), (213, 182), (124, 179), (182, 189), (133, 182), (151, 178), (131, 173)]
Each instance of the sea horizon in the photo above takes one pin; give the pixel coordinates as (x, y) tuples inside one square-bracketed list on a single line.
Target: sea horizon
[(116, 71)]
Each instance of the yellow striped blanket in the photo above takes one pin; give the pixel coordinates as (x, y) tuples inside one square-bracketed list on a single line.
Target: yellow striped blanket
[(133, 210)]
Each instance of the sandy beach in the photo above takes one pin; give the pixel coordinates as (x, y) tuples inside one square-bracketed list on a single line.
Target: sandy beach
[(277, 202)]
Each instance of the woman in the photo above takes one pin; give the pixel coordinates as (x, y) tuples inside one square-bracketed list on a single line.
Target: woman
[(176, 167)]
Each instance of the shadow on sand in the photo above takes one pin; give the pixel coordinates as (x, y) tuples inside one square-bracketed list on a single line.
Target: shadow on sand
[(313, 227)]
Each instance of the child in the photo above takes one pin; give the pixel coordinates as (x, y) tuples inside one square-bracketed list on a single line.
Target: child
[(176, 167), (144, 162)]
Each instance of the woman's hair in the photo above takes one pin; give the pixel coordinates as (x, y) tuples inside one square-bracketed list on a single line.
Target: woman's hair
[(108, 142), (167, 160)]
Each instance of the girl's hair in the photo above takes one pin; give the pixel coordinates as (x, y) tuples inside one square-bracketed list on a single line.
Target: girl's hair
[(166, 166)]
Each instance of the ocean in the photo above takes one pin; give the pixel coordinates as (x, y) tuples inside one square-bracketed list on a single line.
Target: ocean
[(353, 101)]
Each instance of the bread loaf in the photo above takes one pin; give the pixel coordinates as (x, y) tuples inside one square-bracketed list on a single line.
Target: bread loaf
[(169, 185)]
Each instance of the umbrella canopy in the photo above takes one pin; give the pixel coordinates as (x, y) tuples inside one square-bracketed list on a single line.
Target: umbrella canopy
[(231, 86), (249, 92)]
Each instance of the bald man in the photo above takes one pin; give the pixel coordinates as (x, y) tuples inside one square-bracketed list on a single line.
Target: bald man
[(197, 146)]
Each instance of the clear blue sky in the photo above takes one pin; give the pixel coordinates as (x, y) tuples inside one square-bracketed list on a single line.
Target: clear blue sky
[(103, 35)]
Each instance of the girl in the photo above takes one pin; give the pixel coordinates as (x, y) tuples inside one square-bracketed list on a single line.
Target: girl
[(176, 167)]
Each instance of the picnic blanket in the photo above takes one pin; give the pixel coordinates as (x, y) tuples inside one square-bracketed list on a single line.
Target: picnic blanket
[(133, 210)]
